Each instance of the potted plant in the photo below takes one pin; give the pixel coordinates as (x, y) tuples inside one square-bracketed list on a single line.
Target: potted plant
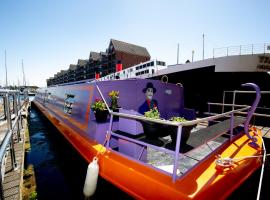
[(100, 110), (185, 131), (114, 99), (114, 102), (153, 130)]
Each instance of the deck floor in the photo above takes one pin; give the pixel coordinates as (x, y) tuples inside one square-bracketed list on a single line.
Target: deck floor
[(165, 161), (13, 179)]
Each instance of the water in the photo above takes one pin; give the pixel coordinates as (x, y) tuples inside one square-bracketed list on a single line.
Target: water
[(59, 169)]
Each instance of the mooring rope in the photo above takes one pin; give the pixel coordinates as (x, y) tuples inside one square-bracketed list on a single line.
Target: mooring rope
[(262, 169)]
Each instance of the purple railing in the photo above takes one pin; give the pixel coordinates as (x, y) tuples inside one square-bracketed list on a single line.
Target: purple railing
[(179, 131)]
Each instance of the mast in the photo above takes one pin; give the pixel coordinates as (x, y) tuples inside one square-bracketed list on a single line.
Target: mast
[(6, 68), (177, 53), (24, 83), (203, 47)]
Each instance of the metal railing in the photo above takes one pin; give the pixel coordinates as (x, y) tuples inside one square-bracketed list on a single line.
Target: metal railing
[(241, 50), (13, 129), (175, 153)]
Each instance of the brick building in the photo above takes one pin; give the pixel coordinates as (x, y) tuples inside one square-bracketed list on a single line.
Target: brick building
[(102, 62)]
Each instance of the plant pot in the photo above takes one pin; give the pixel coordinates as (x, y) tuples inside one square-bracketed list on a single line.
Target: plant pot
[(154, 130), (184, 136), (101, 115)]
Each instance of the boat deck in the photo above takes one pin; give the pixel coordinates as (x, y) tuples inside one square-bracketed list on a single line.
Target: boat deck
[(201, 143)]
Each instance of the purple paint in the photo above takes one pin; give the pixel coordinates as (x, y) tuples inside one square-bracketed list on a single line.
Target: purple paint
[(252, 109)]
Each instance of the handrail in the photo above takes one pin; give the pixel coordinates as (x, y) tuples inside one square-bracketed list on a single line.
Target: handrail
[(8, 139), (181, 124), (241, 50), (187, 123)]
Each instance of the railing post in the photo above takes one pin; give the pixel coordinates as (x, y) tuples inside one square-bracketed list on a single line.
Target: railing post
[(231, 126), (177, 149), (5, 109), (9, 123), (227, 51), (234, 94), (240, 50), (1, 185), (223, 101), (213, 53), (13, 103), (264, 47), (20, 107), (16, 113), (108, 137), (252, 49)]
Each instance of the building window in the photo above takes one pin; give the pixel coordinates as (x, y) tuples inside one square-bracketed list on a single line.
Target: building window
[(69, 101)]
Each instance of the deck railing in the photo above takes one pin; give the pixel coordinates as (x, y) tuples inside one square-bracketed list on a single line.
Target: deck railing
[(241, 50), (233, 104), (13, 129), (175, 153)]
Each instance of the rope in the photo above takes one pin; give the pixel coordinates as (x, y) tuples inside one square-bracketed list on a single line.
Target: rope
[(105, 141), (228, 162), (262, 169)]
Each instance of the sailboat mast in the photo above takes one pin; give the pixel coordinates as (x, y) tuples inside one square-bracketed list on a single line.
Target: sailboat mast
[(24, 84), (6, 67)]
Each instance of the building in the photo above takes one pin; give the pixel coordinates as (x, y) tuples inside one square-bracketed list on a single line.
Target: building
[(103, 63)]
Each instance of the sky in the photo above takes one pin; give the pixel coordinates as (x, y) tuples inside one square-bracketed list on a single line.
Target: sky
[(50, 35)]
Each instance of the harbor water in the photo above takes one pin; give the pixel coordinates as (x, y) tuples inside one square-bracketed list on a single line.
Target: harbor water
[(60, 171)]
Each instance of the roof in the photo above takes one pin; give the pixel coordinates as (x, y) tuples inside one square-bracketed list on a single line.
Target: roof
[(82, 62), (129, 48), (72, 67), (94, 55)]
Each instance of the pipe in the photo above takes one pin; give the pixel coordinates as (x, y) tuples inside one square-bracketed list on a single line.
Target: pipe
[(252, 108)]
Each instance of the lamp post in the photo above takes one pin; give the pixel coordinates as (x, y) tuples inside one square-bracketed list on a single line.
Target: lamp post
[(203, 47), (177, 53), (192, 55)]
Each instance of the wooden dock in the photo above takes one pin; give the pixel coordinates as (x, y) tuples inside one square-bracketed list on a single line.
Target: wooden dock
[(13, 177)]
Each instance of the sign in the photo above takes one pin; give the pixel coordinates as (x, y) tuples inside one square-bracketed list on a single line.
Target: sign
[(264, 63)]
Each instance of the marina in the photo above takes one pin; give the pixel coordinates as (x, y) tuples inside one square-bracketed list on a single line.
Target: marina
[(134, 100)]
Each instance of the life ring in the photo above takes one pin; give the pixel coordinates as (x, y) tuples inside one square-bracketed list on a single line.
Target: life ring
[(162, 79)]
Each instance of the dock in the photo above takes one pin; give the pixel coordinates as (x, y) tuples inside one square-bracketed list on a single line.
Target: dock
[(13, 125)]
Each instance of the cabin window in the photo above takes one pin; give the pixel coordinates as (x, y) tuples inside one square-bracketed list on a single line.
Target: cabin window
[(152, 63), (69, 101)]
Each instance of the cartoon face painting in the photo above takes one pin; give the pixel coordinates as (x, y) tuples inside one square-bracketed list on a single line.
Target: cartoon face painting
[(149, 102)]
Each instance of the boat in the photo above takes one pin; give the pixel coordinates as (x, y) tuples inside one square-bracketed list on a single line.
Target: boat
[(205, 167)]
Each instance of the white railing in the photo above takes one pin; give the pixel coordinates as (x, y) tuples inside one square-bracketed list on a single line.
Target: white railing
[(241, 50)]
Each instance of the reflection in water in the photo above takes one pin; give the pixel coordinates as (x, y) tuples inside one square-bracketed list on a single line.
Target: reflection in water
[(59, 169)]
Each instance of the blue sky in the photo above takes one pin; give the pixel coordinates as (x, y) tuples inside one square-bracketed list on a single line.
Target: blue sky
[(51, 34)]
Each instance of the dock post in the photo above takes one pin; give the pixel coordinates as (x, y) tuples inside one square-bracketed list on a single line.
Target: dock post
[(9, 123), (16, 113), (20, 107), (5, 110)]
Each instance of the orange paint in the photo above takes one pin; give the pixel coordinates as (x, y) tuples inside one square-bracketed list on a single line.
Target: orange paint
[(204, 181)]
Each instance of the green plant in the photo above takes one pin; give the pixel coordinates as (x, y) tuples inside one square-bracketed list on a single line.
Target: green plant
[(99, 105), (33, 195), (114, 99), (178, 119), (153, 113)]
